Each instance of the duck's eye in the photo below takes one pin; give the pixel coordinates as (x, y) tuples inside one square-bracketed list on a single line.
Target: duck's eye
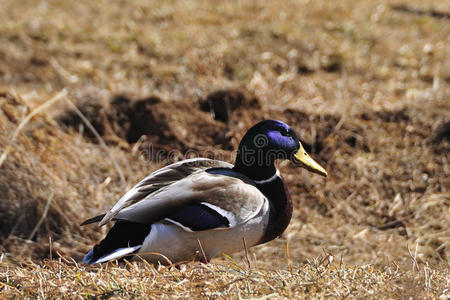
[(285, 132)]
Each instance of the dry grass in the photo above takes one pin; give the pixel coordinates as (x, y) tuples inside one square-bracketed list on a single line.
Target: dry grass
[(365, 84), (317, 278)]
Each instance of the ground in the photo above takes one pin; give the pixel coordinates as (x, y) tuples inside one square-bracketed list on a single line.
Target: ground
[(96, 95)]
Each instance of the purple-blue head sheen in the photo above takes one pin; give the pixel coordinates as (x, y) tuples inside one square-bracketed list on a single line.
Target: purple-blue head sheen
[(269, 140)]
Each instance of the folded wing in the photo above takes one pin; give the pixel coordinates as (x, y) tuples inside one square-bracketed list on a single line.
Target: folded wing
[(219, 200), (156, 182)]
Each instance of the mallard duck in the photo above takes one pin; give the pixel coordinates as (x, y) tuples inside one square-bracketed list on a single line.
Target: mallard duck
[(198, 208)]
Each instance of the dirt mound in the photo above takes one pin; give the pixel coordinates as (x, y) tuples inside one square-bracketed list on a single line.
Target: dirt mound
[(176, 124), (161, 128), (223, 104)]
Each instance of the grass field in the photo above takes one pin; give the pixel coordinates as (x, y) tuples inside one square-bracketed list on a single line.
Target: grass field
[(364, 83)]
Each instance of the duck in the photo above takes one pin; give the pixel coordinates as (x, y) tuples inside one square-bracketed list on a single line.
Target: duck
[(199, 208)]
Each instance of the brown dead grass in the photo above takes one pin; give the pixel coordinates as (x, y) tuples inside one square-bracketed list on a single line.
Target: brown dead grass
[(365, 84), (318, 278)]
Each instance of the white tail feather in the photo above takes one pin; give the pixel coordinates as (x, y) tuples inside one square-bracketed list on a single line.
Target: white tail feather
[(118, 253)]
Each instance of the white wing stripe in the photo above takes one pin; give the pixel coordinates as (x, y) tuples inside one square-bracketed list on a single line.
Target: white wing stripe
[(230, 217), (179, 225)]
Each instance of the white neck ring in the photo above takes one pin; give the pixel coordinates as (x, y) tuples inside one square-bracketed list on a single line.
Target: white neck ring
[(271, 178)]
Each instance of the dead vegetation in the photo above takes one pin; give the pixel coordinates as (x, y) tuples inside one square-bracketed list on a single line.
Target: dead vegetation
[(316, 278), (364, 84)]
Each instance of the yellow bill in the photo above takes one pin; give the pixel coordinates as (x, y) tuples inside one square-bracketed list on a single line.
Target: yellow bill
[(308, 163)]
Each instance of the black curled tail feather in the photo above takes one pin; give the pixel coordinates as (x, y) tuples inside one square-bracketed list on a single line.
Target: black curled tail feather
[(93, 220)]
